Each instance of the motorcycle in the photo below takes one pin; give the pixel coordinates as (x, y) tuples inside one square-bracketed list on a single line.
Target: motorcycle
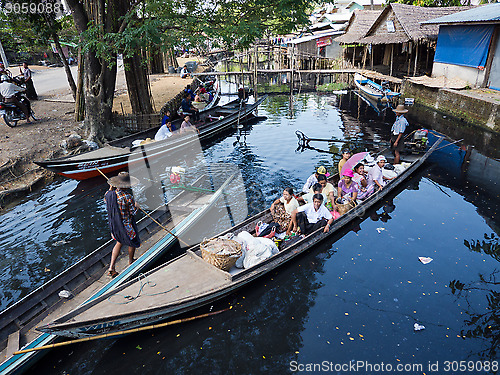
[(11, 113)]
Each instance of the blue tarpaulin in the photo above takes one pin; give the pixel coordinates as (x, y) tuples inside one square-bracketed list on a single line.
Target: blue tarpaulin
[(464, 45)]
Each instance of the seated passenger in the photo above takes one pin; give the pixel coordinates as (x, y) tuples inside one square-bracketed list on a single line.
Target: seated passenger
[(282, 209), (187, 107), (203, 94), (347, 190), (328, 191), (311, 216), (346, 154), (376, 175), (184, 72), (186, 125), (317, 188), (312, 179), (164, 132), (360, 178)]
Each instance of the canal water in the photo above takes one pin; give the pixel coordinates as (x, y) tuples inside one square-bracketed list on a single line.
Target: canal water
[(351, 301)]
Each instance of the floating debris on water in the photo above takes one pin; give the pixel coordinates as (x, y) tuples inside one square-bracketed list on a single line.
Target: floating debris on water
[(425, 260), (418, 327)]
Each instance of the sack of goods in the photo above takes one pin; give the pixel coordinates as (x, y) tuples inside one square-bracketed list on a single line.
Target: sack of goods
[(221, 252), (255, 249)]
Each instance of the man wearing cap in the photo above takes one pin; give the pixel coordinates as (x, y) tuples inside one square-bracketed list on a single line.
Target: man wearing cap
[(313, 179), (376, 175), (397, 130), (121, 208)]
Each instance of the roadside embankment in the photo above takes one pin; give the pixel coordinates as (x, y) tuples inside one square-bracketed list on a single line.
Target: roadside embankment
[(479, 107)]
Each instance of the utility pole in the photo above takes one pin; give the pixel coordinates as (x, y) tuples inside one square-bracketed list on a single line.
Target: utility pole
[(2, 55)]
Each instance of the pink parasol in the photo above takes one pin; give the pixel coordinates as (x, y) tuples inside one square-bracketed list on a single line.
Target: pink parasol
[(352, 161)]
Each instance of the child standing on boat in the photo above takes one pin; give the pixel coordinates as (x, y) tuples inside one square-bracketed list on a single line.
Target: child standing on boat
[(121, 208)]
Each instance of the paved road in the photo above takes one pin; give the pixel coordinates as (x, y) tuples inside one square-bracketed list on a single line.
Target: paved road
[(50, 79)]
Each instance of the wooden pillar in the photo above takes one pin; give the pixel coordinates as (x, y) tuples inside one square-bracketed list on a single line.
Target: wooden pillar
[(364, 56), (409, 59), (291, 69), (392, 58), (416, 59), (256, 58), (371, 56), (354, 57)]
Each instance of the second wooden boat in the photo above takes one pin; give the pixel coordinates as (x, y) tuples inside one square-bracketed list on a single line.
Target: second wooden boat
[(85, 280), (120, 154)]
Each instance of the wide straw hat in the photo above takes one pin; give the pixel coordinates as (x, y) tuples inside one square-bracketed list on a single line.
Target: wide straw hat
[(400, 109), (123, 181)]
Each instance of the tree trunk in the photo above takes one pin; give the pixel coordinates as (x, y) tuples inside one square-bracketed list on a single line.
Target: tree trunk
[(100, 82), (155, 60), (137, 85), (67, 69)]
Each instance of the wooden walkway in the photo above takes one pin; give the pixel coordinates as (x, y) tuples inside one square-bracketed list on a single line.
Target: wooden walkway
[(367, 73)]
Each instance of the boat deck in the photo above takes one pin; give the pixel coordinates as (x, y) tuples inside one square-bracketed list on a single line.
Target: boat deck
[(103, 152), (97, 278), (171, 284)]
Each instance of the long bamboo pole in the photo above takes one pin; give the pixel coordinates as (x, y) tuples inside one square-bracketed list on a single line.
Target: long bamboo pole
[(148, 215), (121, 333)]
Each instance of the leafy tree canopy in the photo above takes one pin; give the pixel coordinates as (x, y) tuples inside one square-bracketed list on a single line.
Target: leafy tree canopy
[(220, 23)]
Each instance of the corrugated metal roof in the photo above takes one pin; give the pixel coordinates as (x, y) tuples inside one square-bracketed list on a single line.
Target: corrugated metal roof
[(485, 13), (312, 37)]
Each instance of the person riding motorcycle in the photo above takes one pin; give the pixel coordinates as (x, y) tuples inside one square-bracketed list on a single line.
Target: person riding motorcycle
[(4, 71), (8, 91)]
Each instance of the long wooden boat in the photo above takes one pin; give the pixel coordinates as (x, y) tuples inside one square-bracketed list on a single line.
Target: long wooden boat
[(373, 90), (85, 278), (189, 282), (120, 154)]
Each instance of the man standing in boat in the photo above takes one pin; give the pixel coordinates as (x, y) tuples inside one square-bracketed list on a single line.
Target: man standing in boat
[(121, 208), (397, 131)]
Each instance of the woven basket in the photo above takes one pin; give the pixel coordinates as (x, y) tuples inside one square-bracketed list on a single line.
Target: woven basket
[(210, 250), (343, 208)]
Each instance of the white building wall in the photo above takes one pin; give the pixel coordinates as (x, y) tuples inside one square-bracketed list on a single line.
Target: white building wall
[(472, 75)]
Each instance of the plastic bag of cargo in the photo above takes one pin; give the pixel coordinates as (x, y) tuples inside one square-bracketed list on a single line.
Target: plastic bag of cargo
[(259, 250)]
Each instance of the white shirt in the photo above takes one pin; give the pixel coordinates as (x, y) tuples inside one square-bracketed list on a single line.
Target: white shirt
[(291, 206), (8, 90), (163, 133), (314, 216), (311, 180), (376, 174)]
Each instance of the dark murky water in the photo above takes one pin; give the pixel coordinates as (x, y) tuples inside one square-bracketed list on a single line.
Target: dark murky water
[(355, 297)]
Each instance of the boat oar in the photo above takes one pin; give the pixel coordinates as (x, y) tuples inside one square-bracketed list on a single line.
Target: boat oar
[(120, 333), (148, 215)]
